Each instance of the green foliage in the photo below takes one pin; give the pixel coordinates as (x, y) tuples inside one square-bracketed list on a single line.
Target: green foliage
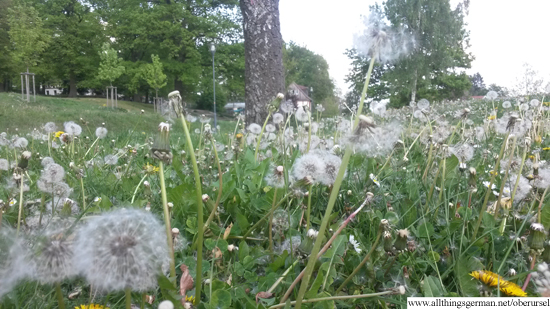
[(28, 36), (429, 70), (205, 100), (153, 74), (309, 69), (110, 67)]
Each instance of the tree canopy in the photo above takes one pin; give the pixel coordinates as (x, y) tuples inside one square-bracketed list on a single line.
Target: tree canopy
[(434, 68)]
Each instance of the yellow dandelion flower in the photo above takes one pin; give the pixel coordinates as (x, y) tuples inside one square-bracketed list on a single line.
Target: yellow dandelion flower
[(190, 299), (150, 169), (239, 136), (91, 306), (546, 148), (493, 280), (59, 133), (493, 172), (492, 117)]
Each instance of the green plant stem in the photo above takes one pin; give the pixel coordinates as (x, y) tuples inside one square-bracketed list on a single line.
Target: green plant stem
[(91, 146), (519, 173), (363, 262), (274, 286), (332, 199), (59, 295), (341, 297), (21, 203), (325, 248), (442, 182), (167, 220), (137, 187), (261, 134), (308, 131), (128, 296), (271, 224), (489, 192), (220, 177), (503, 181), (200, 219), (83, 193), (267, 215), (308, 214)]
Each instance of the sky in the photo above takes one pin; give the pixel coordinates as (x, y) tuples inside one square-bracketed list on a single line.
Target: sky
[(504, 34)]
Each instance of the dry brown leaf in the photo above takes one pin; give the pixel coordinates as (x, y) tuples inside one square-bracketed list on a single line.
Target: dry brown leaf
[(227, 231), (186, 282), (263, 295)]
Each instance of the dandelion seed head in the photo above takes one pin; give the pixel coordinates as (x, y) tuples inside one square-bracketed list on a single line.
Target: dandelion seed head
[(110, 159), (254, 128), (301, 114), (50, 127), (310, 164), (53, 172), (72, 128), (101, 132), (278, 118), (54, 255), (20, 142), (4, 165), (125, 248), (14, 266), (423, 105)]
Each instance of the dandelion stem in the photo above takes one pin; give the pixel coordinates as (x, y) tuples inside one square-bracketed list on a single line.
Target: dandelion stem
[(487, 194), (503, 181), (308, 214), (91, 146), (341, 297), (332, 199), (271, 223), (261, 134), (59, 295), (167, 220), (363, 262), (200, 219), (220, 177), (137, 187), (519, 173), (323, 250), (128, 296), (83, 193), (21, 185)]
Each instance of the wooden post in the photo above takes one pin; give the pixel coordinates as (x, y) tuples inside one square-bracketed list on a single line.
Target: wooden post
[(33, 88)]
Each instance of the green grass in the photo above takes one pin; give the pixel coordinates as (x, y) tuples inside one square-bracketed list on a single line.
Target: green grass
[(22, 116)]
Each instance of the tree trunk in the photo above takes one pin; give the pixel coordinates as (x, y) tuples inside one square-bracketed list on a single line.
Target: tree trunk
[(263, 54), (72, 85)]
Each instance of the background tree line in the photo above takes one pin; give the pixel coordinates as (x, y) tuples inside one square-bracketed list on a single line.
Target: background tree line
[(71, 41)]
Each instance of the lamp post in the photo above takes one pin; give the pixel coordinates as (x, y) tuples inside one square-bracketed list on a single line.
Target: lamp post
[(213, 50)]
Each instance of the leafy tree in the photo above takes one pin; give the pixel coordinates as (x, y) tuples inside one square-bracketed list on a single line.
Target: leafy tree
[(306, 68), (28, 36), (431, 70), (110, 67), (7, 67), (378, 87), (478, 86), (154, 76), (78, 35), (263, 50)]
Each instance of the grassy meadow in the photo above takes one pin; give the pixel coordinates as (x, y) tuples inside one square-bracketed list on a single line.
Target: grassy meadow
[(433, 199)]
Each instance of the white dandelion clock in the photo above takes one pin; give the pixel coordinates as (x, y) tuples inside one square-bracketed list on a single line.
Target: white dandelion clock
[(123, 249)]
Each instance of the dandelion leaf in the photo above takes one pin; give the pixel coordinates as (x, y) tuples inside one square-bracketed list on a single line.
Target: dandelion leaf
[(279, 261), (545, 215), (431, 287), (220, 299), (450, 166), (463, 267)]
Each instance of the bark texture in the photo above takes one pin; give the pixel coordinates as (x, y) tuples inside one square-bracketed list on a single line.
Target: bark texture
[(263, 50)]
